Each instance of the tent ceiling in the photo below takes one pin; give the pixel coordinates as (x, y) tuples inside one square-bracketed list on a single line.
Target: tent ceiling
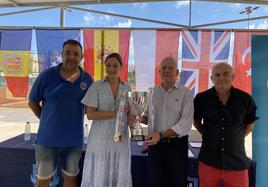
[(29, 3)]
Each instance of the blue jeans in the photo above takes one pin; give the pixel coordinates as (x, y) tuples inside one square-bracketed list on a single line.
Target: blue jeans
[(47, 159)]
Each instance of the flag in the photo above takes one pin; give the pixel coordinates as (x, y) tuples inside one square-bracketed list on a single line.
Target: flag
[(242, 60), (49, 45), (201, 50), (15, 58), (150, 47), (98, 44)]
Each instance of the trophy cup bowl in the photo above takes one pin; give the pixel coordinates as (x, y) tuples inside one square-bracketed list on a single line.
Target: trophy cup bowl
[(137, 102)]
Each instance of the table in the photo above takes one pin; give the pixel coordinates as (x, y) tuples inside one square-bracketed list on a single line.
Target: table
[(17, 157)]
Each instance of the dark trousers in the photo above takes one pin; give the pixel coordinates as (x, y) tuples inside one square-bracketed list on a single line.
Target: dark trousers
[(168, 163)]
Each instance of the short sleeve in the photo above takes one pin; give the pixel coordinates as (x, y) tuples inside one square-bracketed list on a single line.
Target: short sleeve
[(251, 111), (128, 88), (91, 97), (36, 94), (198, 114)]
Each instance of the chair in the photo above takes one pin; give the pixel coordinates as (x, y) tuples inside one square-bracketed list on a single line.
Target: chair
[(54, 181)]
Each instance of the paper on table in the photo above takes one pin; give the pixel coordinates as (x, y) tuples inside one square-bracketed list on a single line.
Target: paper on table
[(195, 144)]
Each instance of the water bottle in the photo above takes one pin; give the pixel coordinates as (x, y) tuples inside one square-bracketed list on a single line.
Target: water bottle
[(27, 132), (85, 133)]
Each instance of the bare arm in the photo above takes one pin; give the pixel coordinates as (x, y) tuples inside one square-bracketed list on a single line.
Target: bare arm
[(249, 128), (198, 125), (94, 114), (36, 108)]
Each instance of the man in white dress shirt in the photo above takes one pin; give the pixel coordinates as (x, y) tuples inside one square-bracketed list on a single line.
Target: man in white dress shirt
[(167, 141)]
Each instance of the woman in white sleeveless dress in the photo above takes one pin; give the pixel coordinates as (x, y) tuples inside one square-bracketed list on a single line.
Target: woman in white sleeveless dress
[(107, 163)]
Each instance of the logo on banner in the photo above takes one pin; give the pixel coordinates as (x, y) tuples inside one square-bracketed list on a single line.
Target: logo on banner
[(12, 64), (102, 52)]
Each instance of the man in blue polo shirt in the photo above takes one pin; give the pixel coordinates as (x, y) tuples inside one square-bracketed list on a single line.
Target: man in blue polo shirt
[(55, 99)]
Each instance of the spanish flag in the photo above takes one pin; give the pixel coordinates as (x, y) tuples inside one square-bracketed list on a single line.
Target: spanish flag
[(98, 44), (15, 58)]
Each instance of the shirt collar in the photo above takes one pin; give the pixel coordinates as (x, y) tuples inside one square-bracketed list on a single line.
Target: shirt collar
[(57, 69), (175, 86), (213, 91), (104, 80)]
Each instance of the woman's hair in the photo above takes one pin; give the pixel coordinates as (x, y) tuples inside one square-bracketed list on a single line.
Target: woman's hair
[(115, 55)]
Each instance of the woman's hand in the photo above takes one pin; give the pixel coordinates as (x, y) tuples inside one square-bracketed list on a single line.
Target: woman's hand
[(126, 109), (131, 120)]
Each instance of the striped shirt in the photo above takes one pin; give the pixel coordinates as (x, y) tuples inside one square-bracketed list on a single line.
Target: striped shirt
[(173, 109)]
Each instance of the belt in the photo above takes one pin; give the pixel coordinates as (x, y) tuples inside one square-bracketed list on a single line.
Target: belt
[(170, 140), (174, 139)]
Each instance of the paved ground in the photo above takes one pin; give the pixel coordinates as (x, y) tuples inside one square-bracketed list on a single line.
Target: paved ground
[(13, 120)]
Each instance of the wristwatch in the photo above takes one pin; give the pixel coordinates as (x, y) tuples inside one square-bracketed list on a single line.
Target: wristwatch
[(161, 135)]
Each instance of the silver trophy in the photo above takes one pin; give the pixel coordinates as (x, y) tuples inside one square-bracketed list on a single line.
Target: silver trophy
[(120, 119), (137, 102)]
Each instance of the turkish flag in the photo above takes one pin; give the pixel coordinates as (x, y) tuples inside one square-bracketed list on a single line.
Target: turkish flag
[(242, 60)]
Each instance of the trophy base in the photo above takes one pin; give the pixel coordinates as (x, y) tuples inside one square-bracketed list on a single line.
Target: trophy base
[(137, 138)]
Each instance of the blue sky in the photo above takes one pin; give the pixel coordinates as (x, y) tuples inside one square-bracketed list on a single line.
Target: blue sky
[(176, 12)]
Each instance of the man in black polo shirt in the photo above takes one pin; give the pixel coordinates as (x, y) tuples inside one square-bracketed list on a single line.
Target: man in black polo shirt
[(224, 115)]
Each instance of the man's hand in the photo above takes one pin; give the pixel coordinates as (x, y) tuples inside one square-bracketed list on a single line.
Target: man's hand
[(152, 139)]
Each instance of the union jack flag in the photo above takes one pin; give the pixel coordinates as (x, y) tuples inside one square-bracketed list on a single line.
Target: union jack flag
[(200, 51)]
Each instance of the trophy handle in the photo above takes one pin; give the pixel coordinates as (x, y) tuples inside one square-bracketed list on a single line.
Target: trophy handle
[(120, 121)]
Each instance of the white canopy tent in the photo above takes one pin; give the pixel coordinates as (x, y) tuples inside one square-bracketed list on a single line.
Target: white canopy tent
[(66, 5), (30, 3)]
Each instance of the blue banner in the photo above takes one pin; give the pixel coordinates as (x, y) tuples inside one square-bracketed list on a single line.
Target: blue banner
[(49, 45), (15, 40), (260, 94)]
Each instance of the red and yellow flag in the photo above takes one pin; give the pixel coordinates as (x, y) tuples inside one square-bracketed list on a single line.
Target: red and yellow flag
[(98, 44), (15, 66), (15, 58)]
